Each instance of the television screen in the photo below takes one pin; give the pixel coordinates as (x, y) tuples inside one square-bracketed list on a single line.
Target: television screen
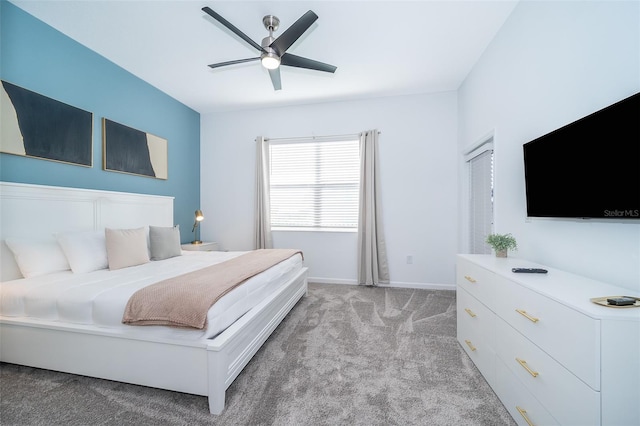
[(589, 168)]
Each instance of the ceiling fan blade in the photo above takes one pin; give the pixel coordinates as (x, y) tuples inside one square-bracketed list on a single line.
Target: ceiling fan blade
[(237, 61), (300, 62), (287, 38), (231, 27), (275, 78)]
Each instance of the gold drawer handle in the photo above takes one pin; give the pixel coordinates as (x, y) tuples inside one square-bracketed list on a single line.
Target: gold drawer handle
[(523, 363), (468, 278), (523, 413), (527, 316), (470, 312), (468, 342)]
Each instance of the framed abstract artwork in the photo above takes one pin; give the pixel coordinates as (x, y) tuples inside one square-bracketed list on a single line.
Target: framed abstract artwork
[(132, 151), (33, 125)]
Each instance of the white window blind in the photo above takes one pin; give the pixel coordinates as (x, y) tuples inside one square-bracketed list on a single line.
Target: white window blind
[(314, 184), (480, 200)]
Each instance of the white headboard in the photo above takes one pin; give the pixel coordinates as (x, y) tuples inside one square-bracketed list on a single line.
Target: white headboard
[(38, 212)]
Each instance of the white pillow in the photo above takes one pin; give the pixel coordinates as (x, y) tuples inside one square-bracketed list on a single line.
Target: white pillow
[(126, 247), (85, 251), (37, 257)]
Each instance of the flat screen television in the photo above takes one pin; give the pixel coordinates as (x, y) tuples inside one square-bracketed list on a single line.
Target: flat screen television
[(589, 168)]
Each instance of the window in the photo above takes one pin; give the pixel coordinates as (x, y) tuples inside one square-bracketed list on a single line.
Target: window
[(314, 184), (480, 197)]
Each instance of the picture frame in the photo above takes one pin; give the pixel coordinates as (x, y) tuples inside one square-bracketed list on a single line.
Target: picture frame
[(36, 126), (132, 151)]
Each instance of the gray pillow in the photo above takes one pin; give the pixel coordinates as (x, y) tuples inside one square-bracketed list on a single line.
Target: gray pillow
[(164, 242)]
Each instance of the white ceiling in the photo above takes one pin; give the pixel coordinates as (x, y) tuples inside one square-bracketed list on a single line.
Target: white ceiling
[(381, 48)]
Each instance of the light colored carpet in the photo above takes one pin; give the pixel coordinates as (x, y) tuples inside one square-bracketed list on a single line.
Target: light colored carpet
[(344, 355)]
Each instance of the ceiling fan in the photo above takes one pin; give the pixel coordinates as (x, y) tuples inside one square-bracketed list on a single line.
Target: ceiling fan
[(273, 51)]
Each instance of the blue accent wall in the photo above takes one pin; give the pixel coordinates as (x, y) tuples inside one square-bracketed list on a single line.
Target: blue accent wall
[(39, 58)]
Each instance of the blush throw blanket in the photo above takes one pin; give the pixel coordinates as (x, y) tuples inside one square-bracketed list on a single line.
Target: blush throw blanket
[(184, 301)]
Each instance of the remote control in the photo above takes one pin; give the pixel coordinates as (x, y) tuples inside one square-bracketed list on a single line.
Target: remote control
[(529, 270), (621, 301)]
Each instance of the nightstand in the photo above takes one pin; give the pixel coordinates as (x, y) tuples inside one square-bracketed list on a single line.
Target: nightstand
[(205, 246)]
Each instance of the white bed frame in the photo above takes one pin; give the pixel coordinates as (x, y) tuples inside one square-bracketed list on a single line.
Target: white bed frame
[(204, 367)]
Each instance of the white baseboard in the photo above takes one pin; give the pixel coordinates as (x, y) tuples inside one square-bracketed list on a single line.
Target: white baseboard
[(318, 280), (424, 286), (394, 284)]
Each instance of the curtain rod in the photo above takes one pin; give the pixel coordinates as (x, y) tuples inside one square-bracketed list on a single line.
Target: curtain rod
[(311, 138)]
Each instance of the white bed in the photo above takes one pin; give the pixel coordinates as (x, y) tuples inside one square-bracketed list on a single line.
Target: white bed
[(72, 322)]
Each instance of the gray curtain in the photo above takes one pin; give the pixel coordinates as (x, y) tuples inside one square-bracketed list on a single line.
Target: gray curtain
[(262, 226), (373, 268)]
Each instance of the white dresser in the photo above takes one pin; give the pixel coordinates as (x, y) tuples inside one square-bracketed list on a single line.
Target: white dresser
[(551, 355)]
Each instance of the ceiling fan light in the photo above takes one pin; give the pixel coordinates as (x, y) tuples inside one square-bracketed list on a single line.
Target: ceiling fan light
[(270, 61)]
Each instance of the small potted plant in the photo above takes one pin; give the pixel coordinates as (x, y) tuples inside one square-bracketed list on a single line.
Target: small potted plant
[(501, 243)]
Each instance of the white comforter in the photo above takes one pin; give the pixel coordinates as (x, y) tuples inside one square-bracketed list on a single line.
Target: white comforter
[(99, 298)]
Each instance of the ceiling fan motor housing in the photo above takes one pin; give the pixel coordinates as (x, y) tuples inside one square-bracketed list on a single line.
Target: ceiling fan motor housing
[(269, 58)]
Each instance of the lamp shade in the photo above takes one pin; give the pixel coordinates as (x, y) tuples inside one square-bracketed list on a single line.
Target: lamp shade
[(199, 216)]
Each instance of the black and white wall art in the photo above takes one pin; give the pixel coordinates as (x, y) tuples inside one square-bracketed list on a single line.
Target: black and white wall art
[(33, 125), (132, 151)]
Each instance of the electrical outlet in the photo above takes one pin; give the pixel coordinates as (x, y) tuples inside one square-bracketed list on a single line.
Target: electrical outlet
[(409, 260)]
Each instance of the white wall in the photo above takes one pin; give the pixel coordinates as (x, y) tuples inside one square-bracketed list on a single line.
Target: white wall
[(552, 63), (418, 179)]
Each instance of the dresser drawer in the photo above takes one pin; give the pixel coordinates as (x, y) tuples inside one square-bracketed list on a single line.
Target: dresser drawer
[(478, 281), (570, 337), (475, 317), (521, 404), (475, 332), (482, 355), (567, 398)]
